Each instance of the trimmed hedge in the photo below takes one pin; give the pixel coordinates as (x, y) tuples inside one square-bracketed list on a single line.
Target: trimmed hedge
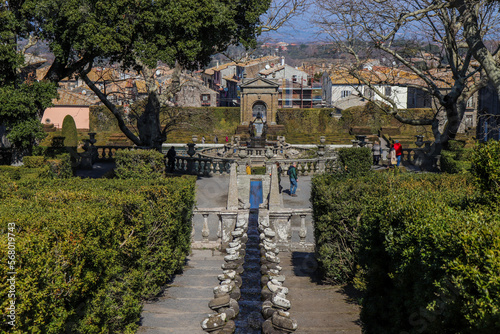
[(339, 202), (89, 251), (69, 132), (139, 164), (34, 161), (486, 166), (456, 159), (425, 249), (354, 160)]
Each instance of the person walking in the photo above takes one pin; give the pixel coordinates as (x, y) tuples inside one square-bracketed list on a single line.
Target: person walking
[(292, 174), (203, 140), (216, 140), (399, 151), (377, 150), (171, 154), (248, 169), (227, 139)]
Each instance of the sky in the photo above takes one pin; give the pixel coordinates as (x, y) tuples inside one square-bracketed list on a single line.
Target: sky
[(299, 29)]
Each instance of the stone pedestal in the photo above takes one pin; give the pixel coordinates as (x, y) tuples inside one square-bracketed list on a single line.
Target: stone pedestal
[(280, 222), (228, 222)]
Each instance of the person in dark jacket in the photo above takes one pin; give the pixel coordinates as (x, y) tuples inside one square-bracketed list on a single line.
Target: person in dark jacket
[(292, 173), (171, 154)]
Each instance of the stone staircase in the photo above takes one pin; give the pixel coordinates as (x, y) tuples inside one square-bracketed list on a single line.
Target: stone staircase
[(184, 303)]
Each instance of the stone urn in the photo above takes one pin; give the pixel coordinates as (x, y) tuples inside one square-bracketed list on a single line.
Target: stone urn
[(361, 140), (243, 153), (191, 150), (92, 139), (322, 140), (419, 141), (269, 153), (194, 138)]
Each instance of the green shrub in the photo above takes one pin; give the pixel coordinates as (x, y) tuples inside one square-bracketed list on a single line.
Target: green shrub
[(355, 161), (339, 202), (454, 162), (139, 164), (89, 251), (40, 151), (425, 248), (424, 253), (69, 132), (34, 161), (261, 170), (486, 166), (59, 168), (19, 173)]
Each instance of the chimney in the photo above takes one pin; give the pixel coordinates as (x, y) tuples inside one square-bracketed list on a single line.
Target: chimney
[(217, 64), (282, 61)]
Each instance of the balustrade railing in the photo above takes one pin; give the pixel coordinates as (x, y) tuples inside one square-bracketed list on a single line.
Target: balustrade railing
[(202, 166), (206, 228), (107, 153)]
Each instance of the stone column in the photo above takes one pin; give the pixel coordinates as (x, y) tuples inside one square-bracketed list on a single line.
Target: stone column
[(275, 198), (232, 195)]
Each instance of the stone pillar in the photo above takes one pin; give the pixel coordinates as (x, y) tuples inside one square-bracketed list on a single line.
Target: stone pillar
[(232, 195), (280, 222), (275, 198), (228, 222)]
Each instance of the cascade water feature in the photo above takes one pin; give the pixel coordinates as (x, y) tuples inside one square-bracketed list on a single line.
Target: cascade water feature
[(250, 319), (251, 298)]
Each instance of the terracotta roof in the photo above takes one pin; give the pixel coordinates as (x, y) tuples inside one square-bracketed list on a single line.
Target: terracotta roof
[(103, 74), (276, 68), (231, 78), (67, 98)]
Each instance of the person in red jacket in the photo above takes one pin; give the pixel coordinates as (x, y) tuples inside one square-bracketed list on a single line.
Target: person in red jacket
[(399, 151)]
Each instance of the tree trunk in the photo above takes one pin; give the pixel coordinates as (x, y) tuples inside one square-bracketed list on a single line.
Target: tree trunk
[(149, 126), (474, 39)]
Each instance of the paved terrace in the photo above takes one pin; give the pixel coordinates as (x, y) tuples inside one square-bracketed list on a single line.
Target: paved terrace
[(183, 305)]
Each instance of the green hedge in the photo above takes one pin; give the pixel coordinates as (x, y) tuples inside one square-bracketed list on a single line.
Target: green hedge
[(339, 202), (139, 164), (69, 132), (486, 166), (354, 160), (425, 250), (89, 251), (34, 161)]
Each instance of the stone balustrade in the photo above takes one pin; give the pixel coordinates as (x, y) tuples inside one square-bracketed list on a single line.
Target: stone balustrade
[(107, 153), (211, 227), (202, 166)]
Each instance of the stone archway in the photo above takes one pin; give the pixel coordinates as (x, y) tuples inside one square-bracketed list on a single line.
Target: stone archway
[(259, 107)]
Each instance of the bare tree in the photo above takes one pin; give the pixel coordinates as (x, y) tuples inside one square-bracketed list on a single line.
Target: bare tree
[(280, 13), (400, 30), (476, 34)]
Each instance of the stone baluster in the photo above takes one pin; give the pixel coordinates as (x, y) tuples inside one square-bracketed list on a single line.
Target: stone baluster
[(303, 230), (299, 169), (211, 169), (219, 231), (316, 167), (217, 168), (306, 168), (205, 232)]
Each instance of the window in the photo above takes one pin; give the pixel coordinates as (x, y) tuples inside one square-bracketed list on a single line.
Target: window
[(205, 99), (345, 93), (388, 91), (470, 103)]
